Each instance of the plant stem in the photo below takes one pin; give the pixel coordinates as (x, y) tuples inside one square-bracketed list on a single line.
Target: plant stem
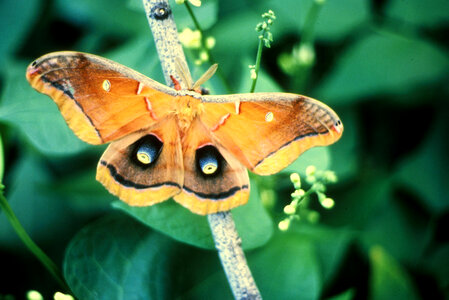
[(23, 235), (307, 40), (257, 65), (2, 160), (226, 238), (205, 48), (26, 239)]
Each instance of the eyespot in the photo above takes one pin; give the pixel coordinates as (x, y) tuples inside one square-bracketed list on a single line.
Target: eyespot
[(209, 160), (269, 116), (147, 150), (106, 85)]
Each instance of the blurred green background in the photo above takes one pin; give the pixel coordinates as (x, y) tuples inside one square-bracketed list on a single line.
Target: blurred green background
[(383, 66)]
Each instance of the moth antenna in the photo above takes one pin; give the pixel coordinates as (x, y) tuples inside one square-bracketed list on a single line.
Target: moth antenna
[(183, 72), (206, 76)]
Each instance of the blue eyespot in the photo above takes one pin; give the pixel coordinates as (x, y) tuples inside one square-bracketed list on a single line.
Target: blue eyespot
[(146, 154), (147, 150), (209, 160)]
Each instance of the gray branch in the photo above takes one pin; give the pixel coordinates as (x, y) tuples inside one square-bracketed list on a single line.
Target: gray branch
[(227, 240)]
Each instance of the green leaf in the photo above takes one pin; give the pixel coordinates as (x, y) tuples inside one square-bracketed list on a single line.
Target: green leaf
[(388, 279), (36, 116), (144, 57), (336, 19), (330, 246), (382, 64), (45, 216), (254, 225), (112, 17), (418, 12), (369, 197), (118, 258), (287, 268), (12, 31), (424, 173)]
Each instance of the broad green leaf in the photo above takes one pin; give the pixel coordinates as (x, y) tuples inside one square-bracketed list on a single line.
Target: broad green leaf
[(13, 31), (36, 116), (425, 172), (404, 233), (44, 215), (118, 258), (418, 12), (104, 16), (287, 268), (388, 279), (368, 198), (252, 221), (336, 19), (382, 64), (438, 262), (330, 246), (144, 58)]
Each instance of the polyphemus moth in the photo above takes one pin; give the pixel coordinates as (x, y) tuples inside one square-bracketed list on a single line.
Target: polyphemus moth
[(167, 142)]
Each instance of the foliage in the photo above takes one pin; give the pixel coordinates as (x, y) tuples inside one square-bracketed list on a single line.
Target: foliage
[(381, 65)]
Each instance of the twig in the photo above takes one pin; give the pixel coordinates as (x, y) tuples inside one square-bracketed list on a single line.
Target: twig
[(227, 240)]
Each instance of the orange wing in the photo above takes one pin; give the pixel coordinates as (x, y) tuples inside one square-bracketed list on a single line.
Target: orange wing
[(268, 131), (100, 100), (222, 187)]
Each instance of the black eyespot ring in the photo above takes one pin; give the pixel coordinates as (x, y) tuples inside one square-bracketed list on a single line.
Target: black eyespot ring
[(209, 161)]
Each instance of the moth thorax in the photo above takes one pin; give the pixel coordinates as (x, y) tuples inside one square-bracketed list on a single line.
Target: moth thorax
[(188, 110)]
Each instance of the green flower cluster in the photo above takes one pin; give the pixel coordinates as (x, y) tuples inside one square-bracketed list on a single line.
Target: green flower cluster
[(298, 207)]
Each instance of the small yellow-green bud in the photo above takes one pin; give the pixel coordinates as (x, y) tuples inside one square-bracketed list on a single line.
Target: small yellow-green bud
[(298, 193), (320, 2), (294, 177), (179, 1), (210, 42), (330, 176), (319, 187), (306, 55), (328, 203), (289, 209), (310, 170), (34, 295), (311, 179), (61, 296), (196, 3), (253, 74), (198, 62), (204, 56), (284, 224), (190, 38)]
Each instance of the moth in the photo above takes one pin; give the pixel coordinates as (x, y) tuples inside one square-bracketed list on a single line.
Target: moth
[(167, 142)]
